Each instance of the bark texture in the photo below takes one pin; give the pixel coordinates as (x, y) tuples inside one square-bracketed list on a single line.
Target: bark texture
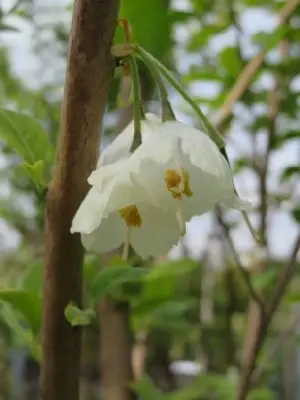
[(86, 91)]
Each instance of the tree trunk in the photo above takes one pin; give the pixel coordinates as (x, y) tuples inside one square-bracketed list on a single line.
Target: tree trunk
[(86, 91)]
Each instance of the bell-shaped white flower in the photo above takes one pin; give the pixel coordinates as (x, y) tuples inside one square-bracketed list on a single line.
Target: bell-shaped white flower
[(117, 209), (119, 148), (181, 169)]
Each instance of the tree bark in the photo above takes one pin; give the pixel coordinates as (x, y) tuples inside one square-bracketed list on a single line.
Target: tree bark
[(115, 350), (86, 90)]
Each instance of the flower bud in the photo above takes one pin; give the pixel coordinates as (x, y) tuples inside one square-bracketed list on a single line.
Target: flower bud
[(122, 50)]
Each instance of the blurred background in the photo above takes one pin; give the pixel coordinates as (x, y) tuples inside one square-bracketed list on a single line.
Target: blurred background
[(194, 321)]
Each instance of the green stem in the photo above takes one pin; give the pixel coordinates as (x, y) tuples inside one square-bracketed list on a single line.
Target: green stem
[(253, 232), (245, 216), (167, 112), (137, 115), (209, 128), (211, 131), (153, 71)]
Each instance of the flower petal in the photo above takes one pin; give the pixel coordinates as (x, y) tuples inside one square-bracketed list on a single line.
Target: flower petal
[(150, 176), (90, 212), (178, 146), (157, 234), (108, 236), (107, 195), (119, 148), (202, 151), (105, 173), (158, 147), (236, 203)]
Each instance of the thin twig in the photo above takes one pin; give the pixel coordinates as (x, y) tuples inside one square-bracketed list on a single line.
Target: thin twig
[(249, 71), (285, 279), (285, 335), (266, 319), (247, 279)]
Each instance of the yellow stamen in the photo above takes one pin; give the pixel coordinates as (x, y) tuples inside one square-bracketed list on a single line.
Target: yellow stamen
[(131, 216), (178, 183)]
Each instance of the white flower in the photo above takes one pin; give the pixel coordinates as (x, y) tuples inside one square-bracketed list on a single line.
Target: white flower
[(118, 206), (146, 198), (119, 148), (181, 169)]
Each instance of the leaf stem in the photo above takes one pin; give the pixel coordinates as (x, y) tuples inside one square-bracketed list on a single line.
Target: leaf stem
[(211, 131), (137, 115), (167, 112), (208, 127)]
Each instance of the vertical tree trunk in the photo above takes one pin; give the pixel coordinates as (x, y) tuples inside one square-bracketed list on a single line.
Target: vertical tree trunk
[(86, 90)]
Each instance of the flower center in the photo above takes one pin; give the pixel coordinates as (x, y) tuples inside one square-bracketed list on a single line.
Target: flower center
[(131, 216), (178, 182)]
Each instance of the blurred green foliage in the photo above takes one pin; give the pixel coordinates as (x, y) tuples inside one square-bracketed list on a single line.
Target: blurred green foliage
[(165, 299)]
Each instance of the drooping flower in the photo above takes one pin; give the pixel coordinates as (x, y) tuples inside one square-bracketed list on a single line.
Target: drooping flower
[(181, 169), (175, 174), (117, 209), (119, 148)]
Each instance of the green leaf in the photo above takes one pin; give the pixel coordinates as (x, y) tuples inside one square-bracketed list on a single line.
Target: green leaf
[(268, 40), (180, 16), (36, 172), (265, 279), (207, 386), (8, 28), (91, 269), (32, 280), (202, 38), (25, 135), (28, 304), (23, 336), (78, 317), (170, 315), (289, 172), (146, 389), (230, 60), (205, 74), (150, 23), (241, 164), (291, 135), (110, 278), (296, 213), (261, 394), (292, 297), (172, 268)]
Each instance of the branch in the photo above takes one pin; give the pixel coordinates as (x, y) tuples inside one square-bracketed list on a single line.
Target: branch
[(250, 69), (285, 279), (247, 279), (283, 337), (265, 321), (86, 91)]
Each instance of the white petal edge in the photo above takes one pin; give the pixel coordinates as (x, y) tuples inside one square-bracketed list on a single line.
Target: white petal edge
[(236, 203), (119, 148), (108, 236), (158, 233), (89, 213), (104, 174)]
